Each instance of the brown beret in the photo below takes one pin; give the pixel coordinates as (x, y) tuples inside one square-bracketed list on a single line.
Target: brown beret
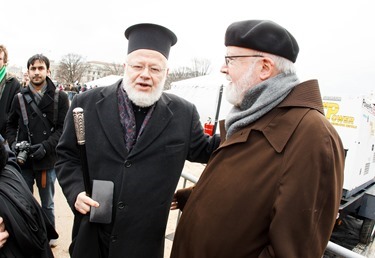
[(150, 36), (262, 35)]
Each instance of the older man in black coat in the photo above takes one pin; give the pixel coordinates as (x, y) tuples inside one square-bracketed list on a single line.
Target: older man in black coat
[(138, 138)]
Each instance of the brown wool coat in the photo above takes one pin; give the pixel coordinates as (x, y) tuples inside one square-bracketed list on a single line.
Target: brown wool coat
[(272, 190)]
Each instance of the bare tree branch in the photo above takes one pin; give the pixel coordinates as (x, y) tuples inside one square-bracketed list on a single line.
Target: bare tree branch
[(199, 67), (71, 68), (115, 69)]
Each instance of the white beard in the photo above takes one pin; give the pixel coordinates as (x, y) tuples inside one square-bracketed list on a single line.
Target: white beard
[(143, 99), (235, 92)]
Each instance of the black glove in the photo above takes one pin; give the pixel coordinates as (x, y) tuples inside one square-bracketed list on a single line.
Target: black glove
[(38, 151)]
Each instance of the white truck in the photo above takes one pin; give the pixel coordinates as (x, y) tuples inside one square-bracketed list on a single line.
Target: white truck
[(354, 119)]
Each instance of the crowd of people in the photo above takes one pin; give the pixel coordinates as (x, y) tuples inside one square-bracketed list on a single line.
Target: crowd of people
[(273, 180)]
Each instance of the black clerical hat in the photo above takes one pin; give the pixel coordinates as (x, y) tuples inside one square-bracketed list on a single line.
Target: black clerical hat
[(150, 36)]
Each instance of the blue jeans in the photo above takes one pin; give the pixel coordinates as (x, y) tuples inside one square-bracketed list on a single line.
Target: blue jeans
[(46, 194)]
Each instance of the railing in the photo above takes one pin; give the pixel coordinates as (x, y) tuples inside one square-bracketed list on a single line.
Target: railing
[(331, 247)]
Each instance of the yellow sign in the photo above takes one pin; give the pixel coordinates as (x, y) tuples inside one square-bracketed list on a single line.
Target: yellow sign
[(332, 110)]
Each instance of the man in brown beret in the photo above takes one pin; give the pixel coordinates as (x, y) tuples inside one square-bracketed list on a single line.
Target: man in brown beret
[(273, 187)]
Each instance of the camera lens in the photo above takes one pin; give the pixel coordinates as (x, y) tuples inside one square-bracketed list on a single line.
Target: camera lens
[(22, 157)]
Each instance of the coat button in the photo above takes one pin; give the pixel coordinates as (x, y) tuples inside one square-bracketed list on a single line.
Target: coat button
[(113, 239), (44, 132), (128, 164), (44, 115), (121, 205)]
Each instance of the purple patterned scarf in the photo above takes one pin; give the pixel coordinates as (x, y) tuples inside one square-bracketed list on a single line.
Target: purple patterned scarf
[(127, 119)]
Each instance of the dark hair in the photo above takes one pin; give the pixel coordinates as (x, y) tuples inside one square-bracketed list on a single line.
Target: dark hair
[(39, 57)]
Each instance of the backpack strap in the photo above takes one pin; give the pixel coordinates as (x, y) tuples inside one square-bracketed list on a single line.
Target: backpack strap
[(23, 109), (37, 110), (24, 116), (56, 106)]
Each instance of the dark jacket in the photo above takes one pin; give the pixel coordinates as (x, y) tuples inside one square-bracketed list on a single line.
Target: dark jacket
[(273, 189), (11, 88), (144, 180), (29, 228), (39, 133)]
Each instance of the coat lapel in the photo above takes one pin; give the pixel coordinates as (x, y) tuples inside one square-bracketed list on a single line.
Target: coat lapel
[(158, 122), (107, 110), (109, 118)]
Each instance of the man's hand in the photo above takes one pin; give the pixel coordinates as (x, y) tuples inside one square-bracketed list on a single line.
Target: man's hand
[(84, 203), (3, 233), (38, 151), (174, 204)]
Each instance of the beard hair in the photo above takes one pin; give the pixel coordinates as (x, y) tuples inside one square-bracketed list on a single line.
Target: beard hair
[(38, 83), (143, 99), (234, 92)]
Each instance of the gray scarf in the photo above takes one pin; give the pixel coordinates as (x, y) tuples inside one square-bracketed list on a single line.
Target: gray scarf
[(38, 95), (259, 100)]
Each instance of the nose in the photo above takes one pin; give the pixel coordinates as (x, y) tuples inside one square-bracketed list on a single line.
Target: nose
[(224, 69), (146, 72)]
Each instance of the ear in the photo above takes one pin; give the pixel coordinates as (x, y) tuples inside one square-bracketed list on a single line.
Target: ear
[(268, 68), (48, 72)]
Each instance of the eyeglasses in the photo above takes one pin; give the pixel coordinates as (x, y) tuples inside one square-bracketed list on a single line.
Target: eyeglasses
[(155, 70), (230, 59)]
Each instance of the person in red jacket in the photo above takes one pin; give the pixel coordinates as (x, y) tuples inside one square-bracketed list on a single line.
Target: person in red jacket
[(273, 187)]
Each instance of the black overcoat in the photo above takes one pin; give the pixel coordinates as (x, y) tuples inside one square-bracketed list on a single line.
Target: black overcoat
[(29, 228), (39, 133), (145, 179), (11, 88)]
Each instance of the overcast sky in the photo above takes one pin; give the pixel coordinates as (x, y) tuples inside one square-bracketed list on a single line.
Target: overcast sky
[(336, 37)]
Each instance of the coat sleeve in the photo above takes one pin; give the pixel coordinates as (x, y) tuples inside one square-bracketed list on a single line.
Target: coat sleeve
[(310, 189)]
